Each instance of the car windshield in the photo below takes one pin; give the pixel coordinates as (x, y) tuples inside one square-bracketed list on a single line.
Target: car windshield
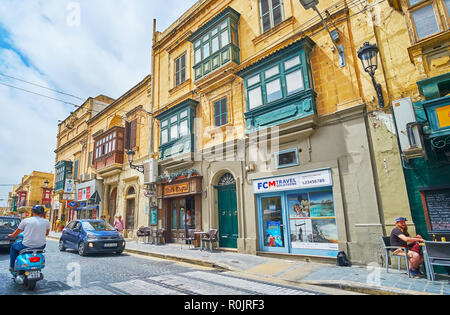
[(97, 226), (9, 223)]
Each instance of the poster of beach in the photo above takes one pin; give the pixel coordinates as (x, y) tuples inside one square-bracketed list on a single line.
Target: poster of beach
[(321, 204)]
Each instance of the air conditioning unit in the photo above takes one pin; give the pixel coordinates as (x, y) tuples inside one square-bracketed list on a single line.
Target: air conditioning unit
[(87, 177), (409, 130), (150, 171)]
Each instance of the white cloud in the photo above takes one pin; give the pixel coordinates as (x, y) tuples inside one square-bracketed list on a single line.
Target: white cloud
[(108, 53)]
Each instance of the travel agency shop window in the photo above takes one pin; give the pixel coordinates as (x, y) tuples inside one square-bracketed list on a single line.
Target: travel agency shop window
[(296, 214), (216, 43), (278, 88)]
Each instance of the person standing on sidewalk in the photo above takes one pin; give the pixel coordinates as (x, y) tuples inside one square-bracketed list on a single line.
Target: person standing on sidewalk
[(118, 223), (400, 237)]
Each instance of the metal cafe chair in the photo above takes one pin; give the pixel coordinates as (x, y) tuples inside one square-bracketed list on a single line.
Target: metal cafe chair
[(388, 249), (144, 232), (436, 254), (190, 237), (211, 238)]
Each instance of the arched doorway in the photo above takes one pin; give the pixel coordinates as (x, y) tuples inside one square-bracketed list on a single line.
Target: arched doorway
[(130, 209), (112, 205), (227, 207)]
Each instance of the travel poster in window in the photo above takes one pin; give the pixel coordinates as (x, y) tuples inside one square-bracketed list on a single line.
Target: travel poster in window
[(312, 221)]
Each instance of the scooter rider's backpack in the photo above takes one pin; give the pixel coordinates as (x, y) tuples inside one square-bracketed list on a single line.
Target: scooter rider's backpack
[(342, 260)]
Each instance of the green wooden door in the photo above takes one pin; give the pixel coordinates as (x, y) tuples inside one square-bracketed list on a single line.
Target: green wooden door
[(228, 222)]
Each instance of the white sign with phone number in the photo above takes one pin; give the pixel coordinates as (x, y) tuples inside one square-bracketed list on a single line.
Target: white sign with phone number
[(292, 182)]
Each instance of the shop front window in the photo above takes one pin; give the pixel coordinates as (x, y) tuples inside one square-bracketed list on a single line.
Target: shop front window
[(272, 221), (312, 220)]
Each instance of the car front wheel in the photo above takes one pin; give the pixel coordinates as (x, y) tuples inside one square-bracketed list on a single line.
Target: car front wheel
[(61, 246), (82, 249)]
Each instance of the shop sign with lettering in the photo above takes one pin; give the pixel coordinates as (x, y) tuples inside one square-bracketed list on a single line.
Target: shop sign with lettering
[(292, 182), (177, 189)]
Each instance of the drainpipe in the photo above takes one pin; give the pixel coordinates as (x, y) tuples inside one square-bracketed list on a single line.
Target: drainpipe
[(152, 88)]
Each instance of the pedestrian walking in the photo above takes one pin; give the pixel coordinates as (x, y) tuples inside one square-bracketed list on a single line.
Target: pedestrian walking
[(118, 223)]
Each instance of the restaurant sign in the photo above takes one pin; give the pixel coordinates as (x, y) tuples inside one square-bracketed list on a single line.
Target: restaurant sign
[(177, 189), (294, 181)]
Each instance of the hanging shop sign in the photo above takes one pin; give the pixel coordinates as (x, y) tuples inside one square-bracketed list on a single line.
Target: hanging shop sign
[(69, 187), (292, 182), (154, 216)]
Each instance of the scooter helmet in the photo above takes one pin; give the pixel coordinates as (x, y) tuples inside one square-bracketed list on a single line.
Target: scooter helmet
[(39, 210)]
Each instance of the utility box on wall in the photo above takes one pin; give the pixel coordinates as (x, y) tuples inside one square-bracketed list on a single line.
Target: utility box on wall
[(408, 129), (150, 171)]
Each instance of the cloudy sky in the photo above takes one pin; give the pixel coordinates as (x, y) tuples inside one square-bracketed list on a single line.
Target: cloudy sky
[(83, 48)]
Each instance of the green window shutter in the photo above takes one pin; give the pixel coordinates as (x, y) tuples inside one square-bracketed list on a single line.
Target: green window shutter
[(220, 113), (75, 169)]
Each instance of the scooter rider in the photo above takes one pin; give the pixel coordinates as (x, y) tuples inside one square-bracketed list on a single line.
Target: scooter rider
[(35, 230)]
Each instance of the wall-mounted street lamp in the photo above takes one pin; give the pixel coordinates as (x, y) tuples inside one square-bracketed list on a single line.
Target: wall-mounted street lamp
[(46, 183), (312, 4), (139, 168), (368, 54)]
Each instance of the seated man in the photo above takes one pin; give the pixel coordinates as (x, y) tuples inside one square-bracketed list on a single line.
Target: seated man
[(400, 237), (35, 230)]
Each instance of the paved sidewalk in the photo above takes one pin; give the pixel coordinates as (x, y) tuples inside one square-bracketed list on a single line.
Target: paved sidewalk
[(355, 278)]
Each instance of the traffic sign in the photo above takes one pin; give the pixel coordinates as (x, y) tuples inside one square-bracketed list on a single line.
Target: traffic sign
[(72, 204)]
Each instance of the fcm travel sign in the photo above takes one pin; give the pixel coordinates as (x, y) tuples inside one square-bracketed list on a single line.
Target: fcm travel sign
[(292, 182)]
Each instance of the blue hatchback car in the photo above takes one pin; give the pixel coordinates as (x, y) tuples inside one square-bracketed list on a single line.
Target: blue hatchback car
[(91, 236)]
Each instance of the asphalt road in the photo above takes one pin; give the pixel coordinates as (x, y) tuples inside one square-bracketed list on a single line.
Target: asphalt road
[(67, 273)]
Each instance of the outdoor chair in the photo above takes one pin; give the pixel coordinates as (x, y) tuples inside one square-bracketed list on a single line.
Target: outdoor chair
[(211, 238), (190, 237), (143, 232), (160, 236), (388, 249), (436, 254)]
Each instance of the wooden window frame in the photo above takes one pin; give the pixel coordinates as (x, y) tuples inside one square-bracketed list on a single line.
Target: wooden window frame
[(179, 79), (272, 23), (446, 13), (263, 81), (441, 18), (212, 36), (221, 115), (76, 168), (178, 122), (130, 134), (277, 155), (105, 145), (223, 54)]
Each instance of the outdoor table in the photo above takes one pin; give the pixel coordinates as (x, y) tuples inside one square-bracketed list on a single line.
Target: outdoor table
[(425, 260), (198, 236)]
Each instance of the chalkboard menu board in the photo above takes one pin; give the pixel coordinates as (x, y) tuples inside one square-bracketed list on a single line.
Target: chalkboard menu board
[(437, 209)]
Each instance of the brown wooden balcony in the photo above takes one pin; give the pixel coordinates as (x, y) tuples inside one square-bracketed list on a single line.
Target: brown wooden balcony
[(109, 150)]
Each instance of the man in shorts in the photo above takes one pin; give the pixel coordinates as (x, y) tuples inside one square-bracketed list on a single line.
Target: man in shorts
[(400, 237)]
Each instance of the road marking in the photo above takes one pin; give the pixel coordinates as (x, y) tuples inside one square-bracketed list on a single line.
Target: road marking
[(88, 291), (195, 286), (140, 287), (249, 285), (196, 282)]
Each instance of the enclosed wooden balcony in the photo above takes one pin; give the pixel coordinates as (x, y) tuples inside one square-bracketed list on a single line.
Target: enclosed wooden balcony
[(109, 150)]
